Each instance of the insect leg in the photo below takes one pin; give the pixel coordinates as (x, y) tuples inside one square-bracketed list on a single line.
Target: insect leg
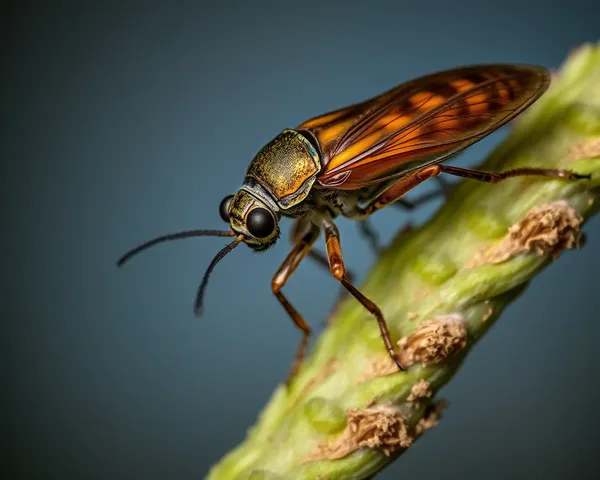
[(372, 236), (397, 190), (319, 258), (517, 172), (301, 248), (406, 204), (338, 270), (410, 181), (296, 234)]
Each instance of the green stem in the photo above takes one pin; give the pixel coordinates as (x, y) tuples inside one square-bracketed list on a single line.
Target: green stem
[(425, 273)]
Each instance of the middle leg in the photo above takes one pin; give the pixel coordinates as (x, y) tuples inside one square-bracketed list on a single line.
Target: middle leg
[(338, 270), (320, 259)]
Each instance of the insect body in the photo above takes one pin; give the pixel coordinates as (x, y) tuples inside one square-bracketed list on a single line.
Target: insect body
[(356, 160)]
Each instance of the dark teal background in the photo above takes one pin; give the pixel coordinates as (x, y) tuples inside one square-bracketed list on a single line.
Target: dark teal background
[(123, 122)]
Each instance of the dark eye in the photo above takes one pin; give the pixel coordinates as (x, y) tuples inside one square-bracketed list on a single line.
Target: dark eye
[(260, 223), (224, 208)]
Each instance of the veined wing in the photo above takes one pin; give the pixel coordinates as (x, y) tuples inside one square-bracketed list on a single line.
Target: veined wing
[(423, 121)]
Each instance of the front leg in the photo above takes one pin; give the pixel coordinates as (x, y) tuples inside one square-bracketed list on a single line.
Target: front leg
[(302, 247), (319, 258), (338, 270)]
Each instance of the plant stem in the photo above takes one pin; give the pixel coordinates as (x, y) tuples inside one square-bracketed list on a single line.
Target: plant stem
[(348, 413)]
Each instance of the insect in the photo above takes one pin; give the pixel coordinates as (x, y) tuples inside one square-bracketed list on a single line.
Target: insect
[(356, 160)]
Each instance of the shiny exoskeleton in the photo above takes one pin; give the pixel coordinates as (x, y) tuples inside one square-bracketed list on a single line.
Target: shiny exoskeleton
[(356, 160)]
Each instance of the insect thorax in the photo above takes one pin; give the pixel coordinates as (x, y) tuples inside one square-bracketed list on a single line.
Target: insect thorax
[(286, 167)]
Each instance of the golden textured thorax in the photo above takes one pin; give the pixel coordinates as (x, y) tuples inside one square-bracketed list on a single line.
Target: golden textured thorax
[(286, 167)]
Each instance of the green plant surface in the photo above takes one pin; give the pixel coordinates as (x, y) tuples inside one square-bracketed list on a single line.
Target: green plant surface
[(445, 282)]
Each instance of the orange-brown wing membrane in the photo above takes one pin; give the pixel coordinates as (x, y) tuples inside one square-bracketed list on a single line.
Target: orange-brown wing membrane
[(423, 121)]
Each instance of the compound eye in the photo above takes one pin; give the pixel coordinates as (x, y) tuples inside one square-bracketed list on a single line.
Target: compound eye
[(260, 223), (224, 208)]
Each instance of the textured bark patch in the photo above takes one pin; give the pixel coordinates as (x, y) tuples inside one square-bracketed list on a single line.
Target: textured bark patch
[(545, 230), (433, 341), (420, 390), (381, 427), (431, 418)]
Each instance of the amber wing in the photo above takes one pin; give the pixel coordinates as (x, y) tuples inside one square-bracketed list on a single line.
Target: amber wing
[(425, 120)]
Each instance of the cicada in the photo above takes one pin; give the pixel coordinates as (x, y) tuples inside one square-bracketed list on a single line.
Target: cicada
[(356, 160)]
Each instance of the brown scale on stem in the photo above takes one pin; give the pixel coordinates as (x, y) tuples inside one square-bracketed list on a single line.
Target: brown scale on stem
[(547, 229), (434, 340), (382, 427)]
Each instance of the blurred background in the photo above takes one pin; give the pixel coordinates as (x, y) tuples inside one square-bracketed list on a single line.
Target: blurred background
[(121, 122)]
